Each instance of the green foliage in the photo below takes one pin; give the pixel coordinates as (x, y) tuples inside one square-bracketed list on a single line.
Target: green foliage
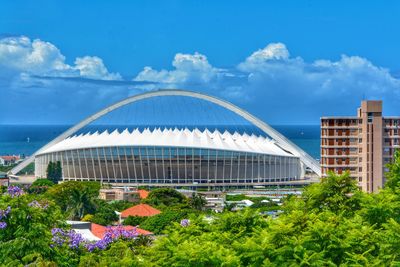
[(27, 237), (87, 218), (159, 222), (30, 169), (75, 198), (120, 205), (258, 204), (197, 202), (393, 175), (236, 197), (164, 197), (134, 220), (331, 224), (54, 171), (104, 213), (334, 193), (42, 182), (40, 186), (7, 168)]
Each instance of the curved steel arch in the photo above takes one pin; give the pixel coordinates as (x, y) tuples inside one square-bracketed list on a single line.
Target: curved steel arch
[(281, 140)]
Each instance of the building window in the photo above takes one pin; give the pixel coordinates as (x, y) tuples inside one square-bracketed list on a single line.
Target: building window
[(370, 116)]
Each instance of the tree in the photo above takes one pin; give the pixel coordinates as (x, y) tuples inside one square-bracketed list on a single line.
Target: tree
[(75, 198), (165, 197), (104, 213), (380, 208), (120, 205), (197, 202), (335, 193), (159, 222), (134, 220), (393, 175), (54, 171), (40, 186), (26, 223)]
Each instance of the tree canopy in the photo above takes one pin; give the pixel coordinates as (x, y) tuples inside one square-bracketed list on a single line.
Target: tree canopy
[(165, 197), (332, 223)]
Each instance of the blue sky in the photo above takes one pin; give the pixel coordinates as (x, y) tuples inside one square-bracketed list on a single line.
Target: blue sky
[(287, 62)]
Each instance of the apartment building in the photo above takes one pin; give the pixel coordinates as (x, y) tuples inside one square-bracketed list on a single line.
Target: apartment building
[(361, 144)]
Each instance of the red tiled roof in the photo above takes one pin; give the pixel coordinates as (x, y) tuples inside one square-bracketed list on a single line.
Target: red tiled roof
[(143, 193), (99, 230), (142, 210), (8, 158)]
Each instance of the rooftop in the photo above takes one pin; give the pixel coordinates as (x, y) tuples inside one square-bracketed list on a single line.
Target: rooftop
[(142, 210), (99, 230), (143, 193), (172, 138), (8, 158)]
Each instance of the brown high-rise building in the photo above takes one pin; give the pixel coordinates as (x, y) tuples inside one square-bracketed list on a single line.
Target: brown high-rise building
[(362, 144)]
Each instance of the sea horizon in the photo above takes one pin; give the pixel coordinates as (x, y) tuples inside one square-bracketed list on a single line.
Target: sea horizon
[(25, 139)]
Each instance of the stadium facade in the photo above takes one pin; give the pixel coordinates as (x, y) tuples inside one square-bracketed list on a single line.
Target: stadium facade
[(177, 157), (174, 157)]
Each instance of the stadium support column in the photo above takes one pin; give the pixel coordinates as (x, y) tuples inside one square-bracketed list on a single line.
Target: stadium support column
[(127, 166), (163, 163), (134, 165), (94, 169), (100, 167)]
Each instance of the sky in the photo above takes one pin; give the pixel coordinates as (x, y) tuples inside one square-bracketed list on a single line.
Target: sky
[(286, 62)]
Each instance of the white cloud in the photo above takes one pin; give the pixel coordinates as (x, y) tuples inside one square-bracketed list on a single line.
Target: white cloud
[(269, 79), (268, 82), (188, 69), (24, 56), (272, 52), (94, 68)]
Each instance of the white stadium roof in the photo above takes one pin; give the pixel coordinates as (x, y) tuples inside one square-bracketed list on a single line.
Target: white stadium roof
[(171, 138)]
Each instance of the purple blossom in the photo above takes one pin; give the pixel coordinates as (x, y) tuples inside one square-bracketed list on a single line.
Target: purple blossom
[(15, 191), (4, 213), (3, 225), (90, 246), (59, 236), (75, 239), (185, 222), (112, 234), (36, 204)]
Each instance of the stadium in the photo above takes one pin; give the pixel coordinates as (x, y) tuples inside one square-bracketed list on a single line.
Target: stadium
[(174, 156)]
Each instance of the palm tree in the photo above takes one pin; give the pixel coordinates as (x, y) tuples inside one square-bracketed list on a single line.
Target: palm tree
[(82, 202)]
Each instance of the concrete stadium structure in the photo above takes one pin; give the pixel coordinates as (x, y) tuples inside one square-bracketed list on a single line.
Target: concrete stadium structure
[(175, 157)]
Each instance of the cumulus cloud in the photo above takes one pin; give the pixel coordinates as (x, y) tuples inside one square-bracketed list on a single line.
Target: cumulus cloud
[(189, 68), (285, 88), (22, 55), (272, 52), (94, 68), (269, 82)]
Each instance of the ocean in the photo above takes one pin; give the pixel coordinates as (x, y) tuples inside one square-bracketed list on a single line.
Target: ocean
[(26, 139)]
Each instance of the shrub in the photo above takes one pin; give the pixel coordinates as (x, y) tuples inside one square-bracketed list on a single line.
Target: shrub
[(134, 220), (165, 197), (159, 222)]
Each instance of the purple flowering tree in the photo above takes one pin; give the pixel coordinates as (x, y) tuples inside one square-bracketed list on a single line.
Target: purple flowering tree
[(75, 241), (25, 227)]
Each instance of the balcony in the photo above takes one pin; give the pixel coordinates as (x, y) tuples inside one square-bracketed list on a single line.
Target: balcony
[(336, 126)]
